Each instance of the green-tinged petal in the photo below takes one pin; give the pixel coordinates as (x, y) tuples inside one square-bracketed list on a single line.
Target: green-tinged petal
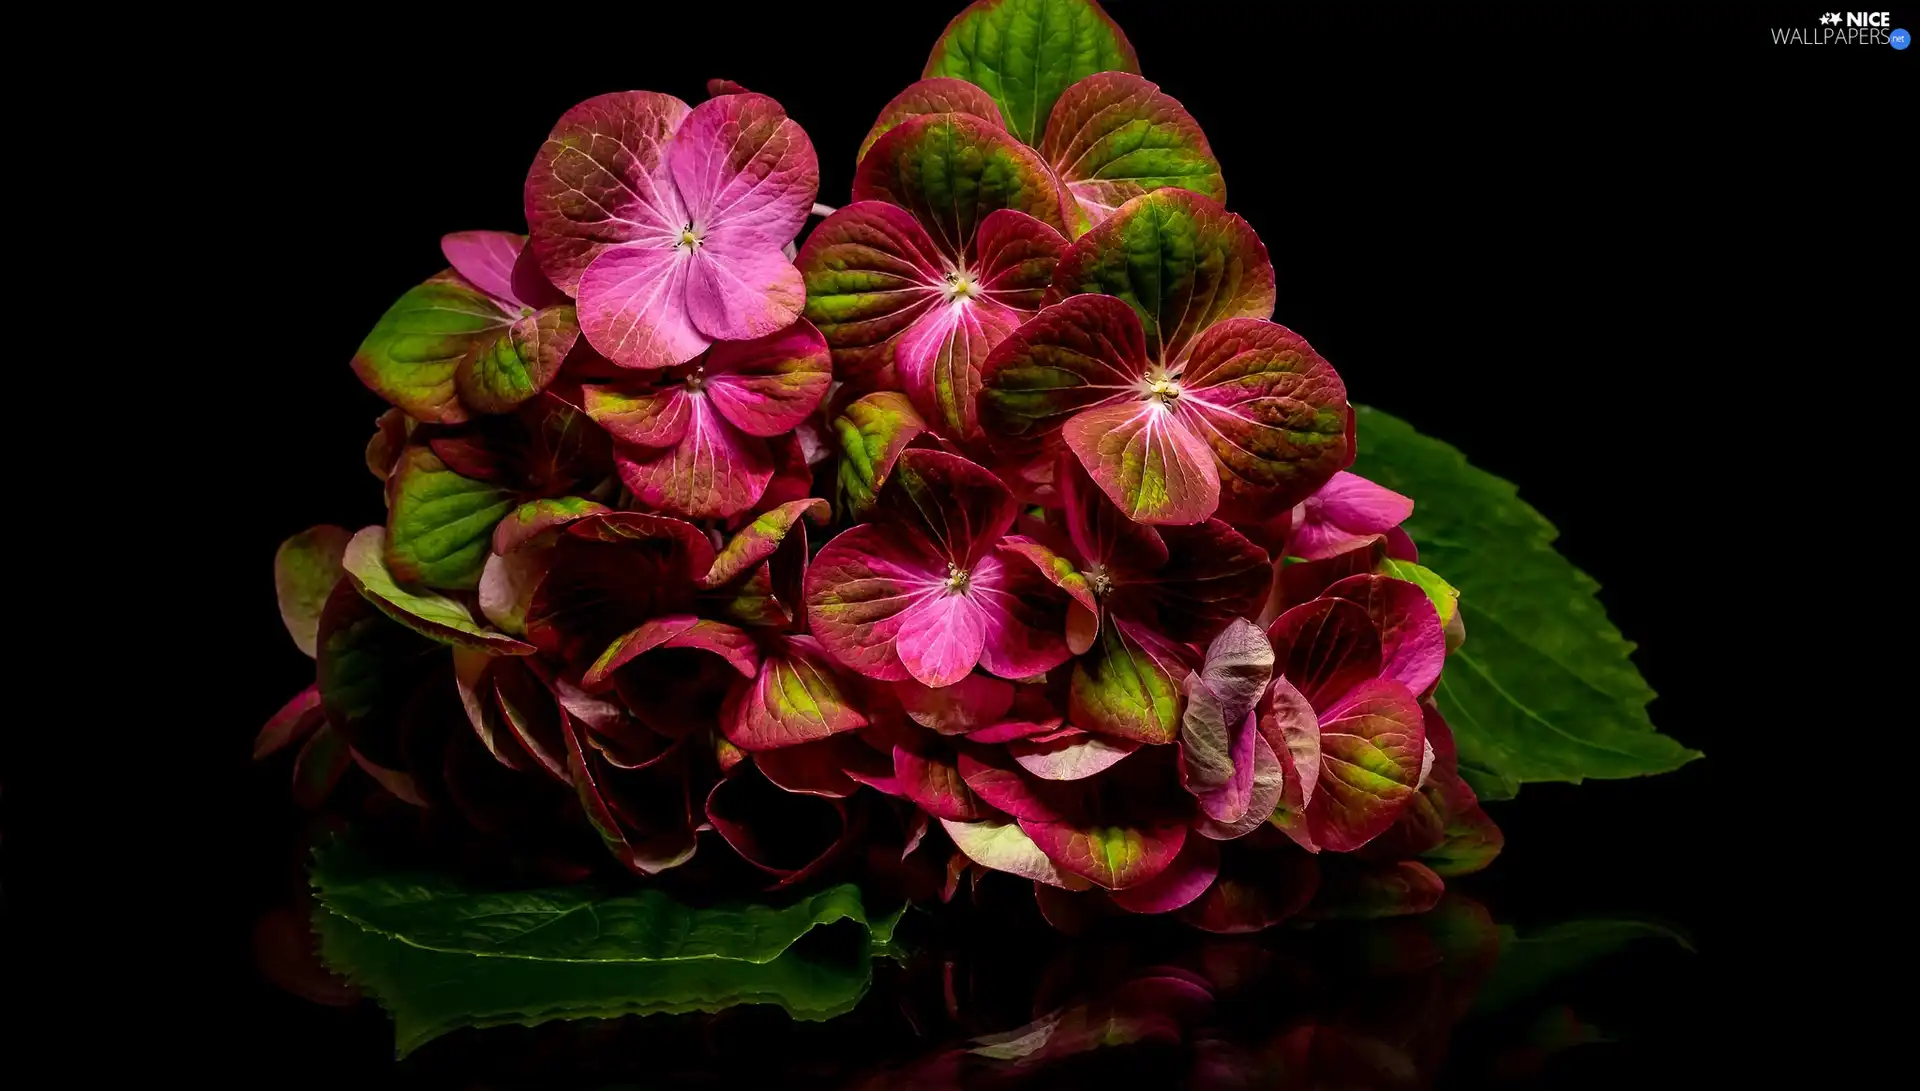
[(439, 524), (1003, 846), (942, 95), (305, 568), (1180, 260), (761, 538), (798, 696), (428, 613), (414, 350), (951, 171), (1112, 856), (1129, 685), (368, 668), (872, 433), (1544, 690), (511, 369), (530, 520), (1025, 53), (1114, 136)]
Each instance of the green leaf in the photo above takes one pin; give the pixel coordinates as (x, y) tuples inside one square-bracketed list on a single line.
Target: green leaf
[(439, 954), (412, 354), (1026, 52), (1530, 963), (1543, 689), (440, 524)]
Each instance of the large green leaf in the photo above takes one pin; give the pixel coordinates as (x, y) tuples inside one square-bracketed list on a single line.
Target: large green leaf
[(439, 954), (1026, 52), (1543, 688)]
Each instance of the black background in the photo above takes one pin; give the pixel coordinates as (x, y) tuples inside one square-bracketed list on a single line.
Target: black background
[(1575, 246)]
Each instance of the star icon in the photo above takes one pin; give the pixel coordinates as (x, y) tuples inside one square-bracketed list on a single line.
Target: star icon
[(1832, 18)]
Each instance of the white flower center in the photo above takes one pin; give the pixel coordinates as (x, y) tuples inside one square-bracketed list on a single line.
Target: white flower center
[(961, 286), (689, 237)]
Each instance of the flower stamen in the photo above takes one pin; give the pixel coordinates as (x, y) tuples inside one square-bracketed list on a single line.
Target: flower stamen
[(956, 579), (961, 285), (1099, 579)]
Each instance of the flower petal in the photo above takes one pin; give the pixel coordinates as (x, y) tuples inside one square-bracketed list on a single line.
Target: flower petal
[(601, 180), (675, 631), (736, 292), (870, 271), (1325, 648), (1075, 757), (1004, 846), (1077, 354), (747, 173), (1128, 685), (1148, 461), (1273, 411), (714, 470), (931, 778), (858, 591), (305, 568), (951, 171), (1180, 260), (941, 95), (1413, 646), (767, 386), (1103, 536), (1213, 575), (797, 697), (941, 637), (634, 307), (1025, 618), (938, 359), (974, 702), (1027, 52), (1111, 856), (642, 413), (1014, 259), (1292, 731), (761, 538), (485, 259), (872, 432), (1371, 750), (498, 376), (959, 506), (1184, 880), (1113, 136)]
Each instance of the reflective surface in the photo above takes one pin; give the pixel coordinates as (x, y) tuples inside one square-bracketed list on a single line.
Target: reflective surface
[(1503, 984)]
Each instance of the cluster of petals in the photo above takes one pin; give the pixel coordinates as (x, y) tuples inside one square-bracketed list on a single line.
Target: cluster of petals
[(995, 528)]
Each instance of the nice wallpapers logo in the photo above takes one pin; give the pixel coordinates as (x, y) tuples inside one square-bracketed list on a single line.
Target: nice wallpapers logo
[(1850, 28)]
